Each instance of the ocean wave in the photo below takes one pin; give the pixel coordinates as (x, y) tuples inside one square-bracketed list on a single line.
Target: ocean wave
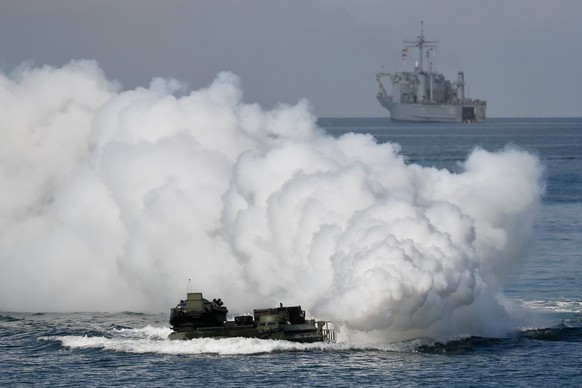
[(560, 306), (9, 318), (151, 339), (147, 332), (562, 334), (225, 346)]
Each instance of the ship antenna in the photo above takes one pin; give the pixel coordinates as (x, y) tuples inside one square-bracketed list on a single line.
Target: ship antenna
[(189, 286), (421, 44)]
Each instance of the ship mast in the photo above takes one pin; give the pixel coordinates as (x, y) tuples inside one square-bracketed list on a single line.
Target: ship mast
[(421, 43)]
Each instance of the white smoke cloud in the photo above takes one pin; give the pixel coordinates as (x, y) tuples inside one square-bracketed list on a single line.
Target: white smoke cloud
[(112, 200)]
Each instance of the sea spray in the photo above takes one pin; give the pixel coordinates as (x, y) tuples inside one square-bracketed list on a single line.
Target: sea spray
[(112, 200)]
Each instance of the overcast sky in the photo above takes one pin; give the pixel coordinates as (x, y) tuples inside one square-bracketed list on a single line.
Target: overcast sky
[(522, 56)]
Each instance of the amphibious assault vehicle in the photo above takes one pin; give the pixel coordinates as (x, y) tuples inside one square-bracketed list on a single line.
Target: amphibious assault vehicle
[(197, 317)]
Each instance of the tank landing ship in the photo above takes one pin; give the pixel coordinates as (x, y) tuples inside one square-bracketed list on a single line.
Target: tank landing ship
[(425, 95), (197, 317)]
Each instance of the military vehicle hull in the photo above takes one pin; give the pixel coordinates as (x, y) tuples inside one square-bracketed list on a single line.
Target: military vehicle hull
[(306, 333), (223, 331), (197, 317)]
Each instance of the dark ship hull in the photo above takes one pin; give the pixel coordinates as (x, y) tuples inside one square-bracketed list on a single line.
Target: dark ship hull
[(197, 317)]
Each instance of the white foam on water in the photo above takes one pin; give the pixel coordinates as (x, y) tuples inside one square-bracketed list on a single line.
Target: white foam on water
[(559, 306), (154, 340), (196, 346)]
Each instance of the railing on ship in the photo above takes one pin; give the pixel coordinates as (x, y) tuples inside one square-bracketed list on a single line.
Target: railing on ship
[(326, 329)]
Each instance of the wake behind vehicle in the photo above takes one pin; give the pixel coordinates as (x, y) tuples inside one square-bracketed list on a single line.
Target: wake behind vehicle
[(197, 317)]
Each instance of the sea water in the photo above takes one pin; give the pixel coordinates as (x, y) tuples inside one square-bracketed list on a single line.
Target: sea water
[(131, 348)]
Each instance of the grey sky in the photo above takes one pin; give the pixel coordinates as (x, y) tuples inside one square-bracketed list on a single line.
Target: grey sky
[(522, 56)]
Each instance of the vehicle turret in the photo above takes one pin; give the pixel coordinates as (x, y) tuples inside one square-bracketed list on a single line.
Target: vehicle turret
[(196, 311)]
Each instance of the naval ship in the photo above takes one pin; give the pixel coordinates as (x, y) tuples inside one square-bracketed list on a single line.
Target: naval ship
[(425, 95)]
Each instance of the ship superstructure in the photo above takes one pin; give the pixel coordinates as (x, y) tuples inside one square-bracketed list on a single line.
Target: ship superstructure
[(424, 94)]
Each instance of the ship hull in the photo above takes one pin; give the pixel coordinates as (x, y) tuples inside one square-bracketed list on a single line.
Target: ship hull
[(436, 113)]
